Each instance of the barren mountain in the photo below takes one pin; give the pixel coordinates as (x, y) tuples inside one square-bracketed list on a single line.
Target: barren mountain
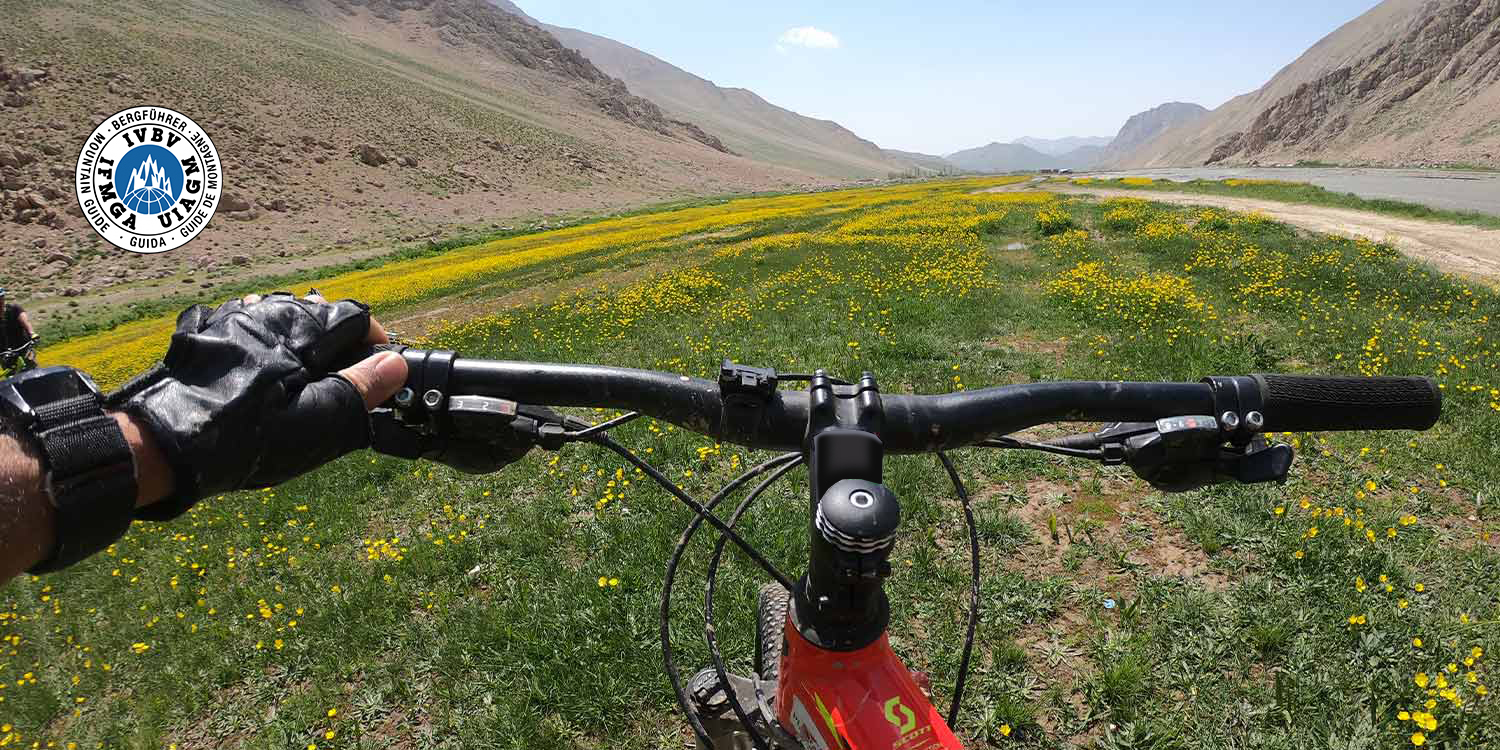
[(1409, 82), (1002, 157), (345, 128), (1144, 126), (746, 123)]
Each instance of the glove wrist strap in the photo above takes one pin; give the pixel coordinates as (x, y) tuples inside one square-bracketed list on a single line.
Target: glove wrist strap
[(89, 468)]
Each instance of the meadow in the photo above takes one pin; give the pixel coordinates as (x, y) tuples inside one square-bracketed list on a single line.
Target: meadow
[(1299, 192), (379, 603)]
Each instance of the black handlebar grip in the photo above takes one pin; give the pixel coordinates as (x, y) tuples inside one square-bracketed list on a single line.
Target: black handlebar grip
[(1293, 403)]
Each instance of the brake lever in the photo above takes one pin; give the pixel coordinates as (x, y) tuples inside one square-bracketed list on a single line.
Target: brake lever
[(1183, 453), (475, 434)]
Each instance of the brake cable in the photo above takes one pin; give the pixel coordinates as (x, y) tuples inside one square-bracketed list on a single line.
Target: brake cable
[(591, 431), (697, 507), (1014, 443), (702, 513), (782, 465), (963, 662), (710, 630)]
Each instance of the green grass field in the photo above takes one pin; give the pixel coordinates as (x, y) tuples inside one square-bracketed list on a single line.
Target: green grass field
[(1302, 192), (378, 603)]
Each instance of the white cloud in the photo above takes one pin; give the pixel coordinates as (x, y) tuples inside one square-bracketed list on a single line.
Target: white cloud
[(806, 36)]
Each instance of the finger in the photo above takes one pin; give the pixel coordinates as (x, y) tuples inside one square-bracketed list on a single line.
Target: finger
[(251, 299), (377, 334), (377, 378), (341, 330)]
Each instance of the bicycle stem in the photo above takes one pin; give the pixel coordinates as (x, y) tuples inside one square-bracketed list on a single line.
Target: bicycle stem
[(852, 518)]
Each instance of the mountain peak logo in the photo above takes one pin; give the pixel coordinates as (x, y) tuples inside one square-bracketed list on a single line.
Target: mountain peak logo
[(148, 179), (150, 189)]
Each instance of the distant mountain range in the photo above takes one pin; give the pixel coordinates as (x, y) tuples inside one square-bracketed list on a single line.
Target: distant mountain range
[(1027, 154), (1060, 146), (1002, 157)]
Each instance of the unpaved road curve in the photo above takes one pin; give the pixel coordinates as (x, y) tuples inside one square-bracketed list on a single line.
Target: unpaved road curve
[(1466, 250)]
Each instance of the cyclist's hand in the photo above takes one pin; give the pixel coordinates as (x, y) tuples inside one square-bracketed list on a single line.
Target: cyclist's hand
[(250, 394)]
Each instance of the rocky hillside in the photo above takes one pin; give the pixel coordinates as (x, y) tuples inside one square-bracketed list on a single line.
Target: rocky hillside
[(744, 121), (1411, 82), (347, 128), (476, 24), (1429, 94), (1140, 129)]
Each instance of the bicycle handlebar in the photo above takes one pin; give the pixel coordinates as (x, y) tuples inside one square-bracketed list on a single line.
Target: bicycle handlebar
[(32, 342), (917, 423)]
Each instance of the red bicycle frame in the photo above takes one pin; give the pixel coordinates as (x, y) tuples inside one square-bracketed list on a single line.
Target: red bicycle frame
[(856, 700)]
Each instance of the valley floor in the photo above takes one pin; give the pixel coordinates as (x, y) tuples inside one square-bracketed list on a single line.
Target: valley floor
[(382, 603)]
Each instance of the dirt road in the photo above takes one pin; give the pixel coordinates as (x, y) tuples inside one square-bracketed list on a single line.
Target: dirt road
[(1470, 251)]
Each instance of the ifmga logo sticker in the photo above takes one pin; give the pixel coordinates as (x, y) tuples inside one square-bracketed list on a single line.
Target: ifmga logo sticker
[(148, 179)]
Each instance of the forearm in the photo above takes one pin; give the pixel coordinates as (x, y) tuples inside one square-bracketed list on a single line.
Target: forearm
[(26, 517), (27, 522)]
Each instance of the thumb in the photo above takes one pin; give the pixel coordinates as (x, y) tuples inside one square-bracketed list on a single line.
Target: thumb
[(377, 378)]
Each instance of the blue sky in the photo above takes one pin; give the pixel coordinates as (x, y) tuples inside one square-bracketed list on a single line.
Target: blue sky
[(944, 75)]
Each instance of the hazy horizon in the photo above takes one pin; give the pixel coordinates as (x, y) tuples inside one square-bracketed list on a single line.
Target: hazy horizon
[(973, 72)]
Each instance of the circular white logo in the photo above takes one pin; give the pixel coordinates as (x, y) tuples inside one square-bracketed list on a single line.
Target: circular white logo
[(148, 179)]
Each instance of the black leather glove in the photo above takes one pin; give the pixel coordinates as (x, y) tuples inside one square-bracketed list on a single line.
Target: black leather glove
[(244, 397)]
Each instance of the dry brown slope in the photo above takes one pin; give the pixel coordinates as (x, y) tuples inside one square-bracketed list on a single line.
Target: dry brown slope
[(473, 136), (1429, 95), (1357, 40)]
